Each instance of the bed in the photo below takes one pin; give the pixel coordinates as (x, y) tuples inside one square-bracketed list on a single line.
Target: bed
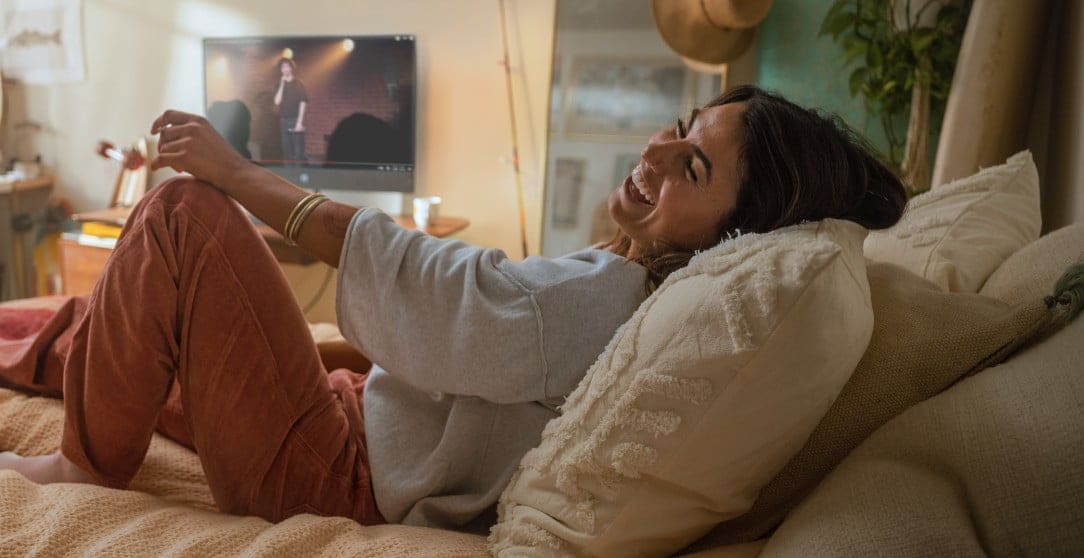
[(169, 510)]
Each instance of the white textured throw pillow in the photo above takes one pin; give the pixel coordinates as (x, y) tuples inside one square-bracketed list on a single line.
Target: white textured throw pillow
[(700, 399), (956, 235)]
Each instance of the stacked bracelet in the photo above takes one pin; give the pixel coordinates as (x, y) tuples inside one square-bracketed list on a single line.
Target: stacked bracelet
[(299, 214)]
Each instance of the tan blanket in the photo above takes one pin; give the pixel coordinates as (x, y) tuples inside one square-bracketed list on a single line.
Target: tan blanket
[(169, 511)]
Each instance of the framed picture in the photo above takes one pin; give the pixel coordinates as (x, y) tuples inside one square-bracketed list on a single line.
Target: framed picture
[(568, 177), (43, 40), (615, 99)]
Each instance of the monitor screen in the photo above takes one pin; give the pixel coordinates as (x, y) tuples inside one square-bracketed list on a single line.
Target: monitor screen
[(327, 113)]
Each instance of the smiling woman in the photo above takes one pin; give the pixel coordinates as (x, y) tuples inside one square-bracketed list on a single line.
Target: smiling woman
[(278, 435), (749, 161), (685, 185)]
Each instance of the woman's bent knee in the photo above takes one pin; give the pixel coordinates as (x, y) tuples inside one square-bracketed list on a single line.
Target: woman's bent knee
[(187, 189), (199, 199)]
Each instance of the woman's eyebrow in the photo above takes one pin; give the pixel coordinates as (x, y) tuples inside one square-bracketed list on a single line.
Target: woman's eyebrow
[(696, 149), (703, 159)]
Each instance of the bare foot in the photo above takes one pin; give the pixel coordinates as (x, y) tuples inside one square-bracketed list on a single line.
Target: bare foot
[(44, 469)]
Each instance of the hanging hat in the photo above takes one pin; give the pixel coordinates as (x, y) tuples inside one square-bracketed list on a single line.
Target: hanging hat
[(709, 31)]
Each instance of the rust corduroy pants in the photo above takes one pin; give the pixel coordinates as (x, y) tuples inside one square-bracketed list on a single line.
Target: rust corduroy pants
[(193, 329)]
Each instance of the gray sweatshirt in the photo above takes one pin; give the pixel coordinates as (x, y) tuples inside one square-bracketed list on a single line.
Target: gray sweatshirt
[(473, 353)]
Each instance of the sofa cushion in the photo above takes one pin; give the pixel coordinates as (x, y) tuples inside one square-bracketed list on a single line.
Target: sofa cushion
[(991, 467), (956, 235), (924, 340), (1032, 270), (700, 398)]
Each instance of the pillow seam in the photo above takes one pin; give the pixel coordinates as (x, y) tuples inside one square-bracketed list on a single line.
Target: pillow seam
[(948, 232)]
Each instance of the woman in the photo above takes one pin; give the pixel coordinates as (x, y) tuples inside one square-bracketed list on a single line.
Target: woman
[(291, 98), (474, 352)]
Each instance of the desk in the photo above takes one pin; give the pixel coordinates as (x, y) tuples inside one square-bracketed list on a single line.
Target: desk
[(82, 264), (29, 197)]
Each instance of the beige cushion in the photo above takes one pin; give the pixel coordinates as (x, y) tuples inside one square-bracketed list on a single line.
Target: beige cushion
[(991, 467), (956, 235), (916, 352), (1032, 270), (701, 397)]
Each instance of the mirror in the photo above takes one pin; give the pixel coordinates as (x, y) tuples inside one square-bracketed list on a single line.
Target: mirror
[(614, 84)]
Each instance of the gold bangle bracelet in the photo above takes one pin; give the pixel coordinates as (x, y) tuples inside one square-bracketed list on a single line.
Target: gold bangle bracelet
[(291, 223), (293, 215), (302, 215), (301, 211)]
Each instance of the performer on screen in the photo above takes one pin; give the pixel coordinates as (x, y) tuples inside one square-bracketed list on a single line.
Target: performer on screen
[(291, 99)]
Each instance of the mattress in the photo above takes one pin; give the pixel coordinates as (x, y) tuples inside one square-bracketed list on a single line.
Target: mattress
[(168, 510)]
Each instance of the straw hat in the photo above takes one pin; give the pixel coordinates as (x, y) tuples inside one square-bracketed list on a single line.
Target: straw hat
[(709, 31)]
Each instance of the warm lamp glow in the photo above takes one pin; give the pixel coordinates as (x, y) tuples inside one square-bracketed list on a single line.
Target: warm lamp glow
[(288, 53), (348, 45)]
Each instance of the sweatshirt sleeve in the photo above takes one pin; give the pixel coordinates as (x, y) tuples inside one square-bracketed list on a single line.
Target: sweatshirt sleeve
[(439, 314)]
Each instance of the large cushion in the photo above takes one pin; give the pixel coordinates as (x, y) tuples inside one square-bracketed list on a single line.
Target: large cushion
[(1032, 270), (924, 340), (700, 398), (991, 467), (956, 235)]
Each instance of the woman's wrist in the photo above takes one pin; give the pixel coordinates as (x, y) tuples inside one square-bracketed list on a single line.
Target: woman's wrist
[(240, 173)]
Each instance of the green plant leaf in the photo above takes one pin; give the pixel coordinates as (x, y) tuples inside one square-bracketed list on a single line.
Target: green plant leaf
[(874, 57), (855, 51), (921, 39), (858, 77), (837, 24)]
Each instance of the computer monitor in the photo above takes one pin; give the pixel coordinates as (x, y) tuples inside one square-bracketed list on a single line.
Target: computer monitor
[(326, 113)]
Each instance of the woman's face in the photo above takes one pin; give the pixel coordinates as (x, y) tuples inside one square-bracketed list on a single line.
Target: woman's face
[(685, 186), (287, 71)]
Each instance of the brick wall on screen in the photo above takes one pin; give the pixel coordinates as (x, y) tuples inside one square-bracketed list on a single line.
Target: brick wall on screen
[(340, 97)]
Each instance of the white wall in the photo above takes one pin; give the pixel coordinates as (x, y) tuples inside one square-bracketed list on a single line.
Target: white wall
[(145, 56)]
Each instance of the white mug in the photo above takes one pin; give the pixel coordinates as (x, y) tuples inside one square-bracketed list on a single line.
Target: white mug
[(27, 170), (426, 211)]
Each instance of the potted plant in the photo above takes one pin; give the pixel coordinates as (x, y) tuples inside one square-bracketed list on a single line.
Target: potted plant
[(904, 54)]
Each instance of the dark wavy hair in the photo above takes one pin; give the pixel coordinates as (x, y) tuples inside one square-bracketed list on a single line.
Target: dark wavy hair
[(284, 60), (794, 165)]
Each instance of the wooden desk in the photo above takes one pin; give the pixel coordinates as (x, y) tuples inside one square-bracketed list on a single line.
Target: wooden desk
[(21, 197), (81, 265)]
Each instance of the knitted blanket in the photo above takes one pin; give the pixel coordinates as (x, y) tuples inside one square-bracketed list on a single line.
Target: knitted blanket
[(169, 510)]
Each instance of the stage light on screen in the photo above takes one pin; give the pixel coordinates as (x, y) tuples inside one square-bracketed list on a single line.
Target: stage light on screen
[(288, 53), (348, 45)]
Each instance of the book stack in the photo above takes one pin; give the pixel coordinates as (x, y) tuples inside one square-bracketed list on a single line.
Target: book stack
[(99, 228)]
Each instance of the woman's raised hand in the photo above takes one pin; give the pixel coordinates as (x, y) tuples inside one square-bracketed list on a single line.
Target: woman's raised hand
[(188, 143)]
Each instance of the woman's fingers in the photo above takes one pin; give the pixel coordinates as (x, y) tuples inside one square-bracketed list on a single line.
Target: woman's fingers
[(172, 118), (178, 131), (171, 160), (172, 154), (188, 143), (174, 146)]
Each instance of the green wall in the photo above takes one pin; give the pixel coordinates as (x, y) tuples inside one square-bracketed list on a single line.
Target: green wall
[(793, 61)]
